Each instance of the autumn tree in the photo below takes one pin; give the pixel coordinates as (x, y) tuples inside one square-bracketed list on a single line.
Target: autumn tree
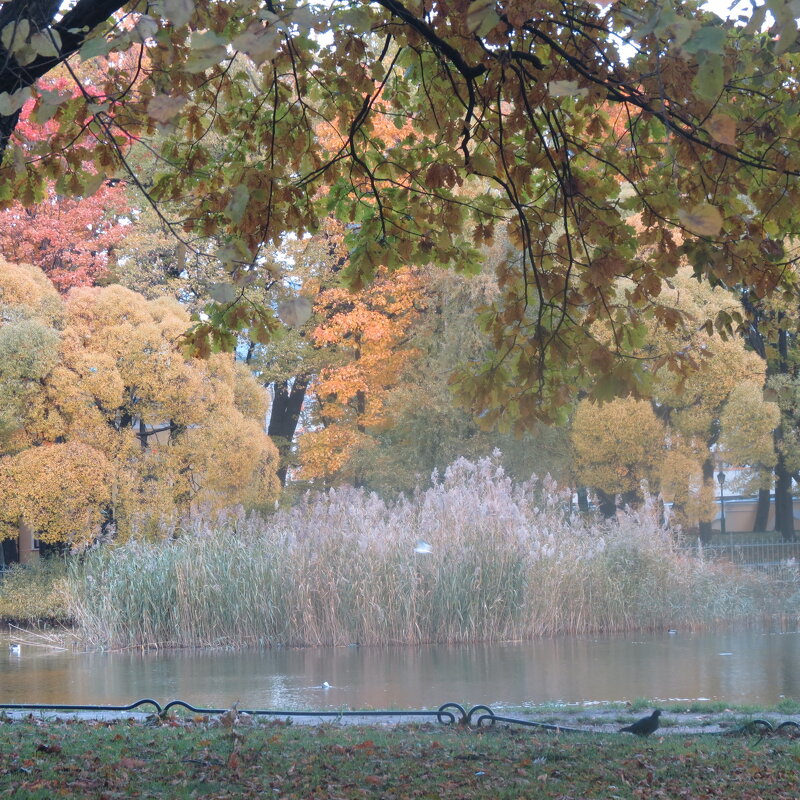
[(368, 333), (69, 236), (520, 102), (428, 429), (163, 434), (772, 333), (713, 416), (618, 446)]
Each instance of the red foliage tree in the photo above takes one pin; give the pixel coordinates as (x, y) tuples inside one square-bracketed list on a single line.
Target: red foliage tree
[(71, 238)]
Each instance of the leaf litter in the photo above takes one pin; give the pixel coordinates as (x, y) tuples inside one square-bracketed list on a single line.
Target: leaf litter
[(190, 757)]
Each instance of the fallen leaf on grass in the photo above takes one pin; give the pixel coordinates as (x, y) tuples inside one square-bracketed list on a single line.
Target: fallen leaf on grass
[(367, 745)]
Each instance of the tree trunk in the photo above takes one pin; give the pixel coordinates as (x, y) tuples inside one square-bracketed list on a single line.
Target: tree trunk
[(607, 503), (27, 552), (583, 499), (284, 417), (784, 503), (705, 531), (762, 510), (10, 551)]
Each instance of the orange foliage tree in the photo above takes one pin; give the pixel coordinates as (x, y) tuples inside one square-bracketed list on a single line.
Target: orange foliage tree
[(120, 424), (366, 336)]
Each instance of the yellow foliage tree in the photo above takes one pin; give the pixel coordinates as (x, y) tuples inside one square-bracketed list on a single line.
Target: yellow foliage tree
[(746, 437), (167, 433), (617, 445), (714, 414), (59, 490)]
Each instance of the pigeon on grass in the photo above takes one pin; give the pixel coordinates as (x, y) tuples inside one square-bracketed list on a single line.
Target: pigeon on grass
[(645, 726)]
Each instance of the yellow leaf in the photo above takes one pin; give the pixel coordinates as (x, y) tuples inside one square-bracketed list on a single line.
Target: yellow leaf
[(722, 128), (703, 220), (482, 16)]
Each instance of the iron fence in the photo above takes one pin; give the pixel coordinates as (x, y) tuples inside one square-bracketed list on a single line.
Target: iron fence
[(766, 554)]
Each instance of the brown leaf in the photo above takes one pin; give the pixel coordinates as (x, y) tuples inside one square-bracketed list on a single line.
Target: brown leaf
[(132, 763), (722, 128)]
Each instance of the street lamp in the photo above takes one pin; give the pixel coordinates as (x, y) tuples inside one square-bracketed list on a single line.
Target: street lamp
[(721, 479)]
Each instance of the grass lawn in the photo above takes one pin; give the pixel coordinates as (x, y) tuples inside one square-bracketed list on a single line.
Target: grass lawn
[(175, 759)]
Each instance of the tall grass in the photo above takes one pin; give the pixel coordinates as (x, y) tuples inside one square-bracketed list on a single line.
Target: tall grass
[(508, 561), (35, 594)]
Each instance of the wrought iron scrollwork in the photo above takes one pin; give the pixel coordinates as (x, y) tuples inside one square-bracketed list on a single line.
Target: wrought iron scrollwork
[(451, 713), (447, 714), (766, 728)]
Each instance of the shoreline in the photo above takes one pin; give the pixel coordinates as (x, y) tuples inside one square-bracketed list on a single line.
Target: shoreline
[(602, 720)]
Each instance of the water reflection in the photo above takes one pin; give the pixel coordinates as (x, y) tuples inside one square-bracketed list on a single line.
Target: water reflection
[(737, 667)]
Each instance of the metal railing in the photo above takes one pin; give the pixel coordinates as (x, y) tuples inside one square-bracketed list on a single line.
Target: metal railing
[(765, 554), (447, 714)]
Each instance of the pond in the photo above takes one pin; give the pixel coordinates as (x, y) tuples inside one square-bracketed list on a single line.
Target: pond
[(750, 666)]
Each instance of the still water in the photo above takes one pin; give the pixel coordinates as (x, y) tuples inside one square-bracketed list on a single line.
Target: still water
[(733, 666)]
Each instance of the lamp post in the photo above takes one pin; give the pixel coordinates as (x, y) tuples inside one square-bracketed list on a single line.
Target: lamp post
[(721, 479)]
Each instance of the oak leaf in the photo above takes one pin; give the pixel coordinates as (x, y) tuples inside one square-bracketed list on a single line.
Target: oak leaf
[(703, 220), (722, 128), (482, 16), (164, 107)]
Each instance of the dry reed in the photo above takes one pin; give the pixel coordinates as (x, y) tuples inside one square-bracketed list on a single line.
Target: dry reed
[(508, 562)]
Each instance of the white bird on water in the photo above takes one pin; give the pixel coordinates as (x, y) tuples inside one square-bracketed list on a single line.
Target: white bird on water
[(15, 649)]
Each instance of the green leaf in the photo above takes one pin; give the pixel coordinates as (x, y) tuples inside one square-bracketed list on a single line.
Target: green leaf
[(359, 19), (237, 205), (482, 16), (15, 35), (164, 107), (709, 39), (710, 79), (223, 292), (13, 102), (295, 311), (259, 44), (92, 182), (96, 46), (566, 89), (179, 12)]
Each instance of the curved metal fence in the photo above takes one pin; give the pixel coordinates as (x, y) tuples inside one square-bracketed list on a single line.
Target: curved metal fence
[(478, 716)]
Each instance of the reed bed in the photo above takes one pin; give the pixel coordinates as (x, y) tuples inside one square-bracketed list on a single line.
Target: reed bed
[(508, 561)]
